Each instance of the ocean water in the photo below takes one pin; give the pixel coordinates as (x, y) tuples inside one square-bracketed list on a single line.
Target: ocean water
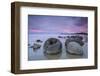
[(38, 54)]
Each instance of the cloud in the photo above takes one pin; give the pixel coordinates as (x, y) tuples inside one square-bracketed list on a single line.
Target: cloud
[(41, 23)]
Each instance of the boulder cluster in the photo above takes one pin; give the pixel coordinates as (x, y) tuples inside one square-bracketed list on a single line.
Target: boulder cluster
[(73, 45)]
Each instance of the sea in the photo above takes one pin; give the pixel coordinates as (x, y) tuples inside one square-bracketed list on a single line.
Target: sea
[(38, 54)]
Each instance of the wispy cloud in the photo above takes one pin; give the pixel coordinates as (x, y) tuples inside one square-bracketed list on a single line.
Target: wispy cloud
[(42, 23)]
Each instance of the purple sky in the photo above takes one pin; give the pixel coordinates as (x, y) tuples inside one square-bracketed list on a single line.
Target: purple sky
[(62, 24)]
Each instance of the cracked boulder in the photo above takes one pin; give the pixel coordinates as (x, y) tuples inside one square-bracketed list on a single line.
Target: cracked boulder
[(74, 46), (52, 46)]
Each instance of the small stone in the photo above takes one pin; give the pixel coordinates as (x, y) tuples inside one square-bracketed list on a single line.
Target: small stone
[(36, 46), (39, 41)]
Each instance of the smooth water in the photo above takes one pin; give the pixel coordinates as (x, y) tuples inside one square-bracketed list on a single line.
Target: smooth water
[(38, 54)]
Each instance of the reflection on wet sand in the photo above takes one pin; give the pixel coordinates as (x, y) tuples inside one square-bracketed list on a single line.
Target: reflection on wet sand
[(55, 56)]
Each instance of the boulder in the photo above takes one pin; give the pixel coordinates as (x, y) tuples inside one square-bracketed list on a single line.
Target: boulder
[(52, 46), (74, 48)]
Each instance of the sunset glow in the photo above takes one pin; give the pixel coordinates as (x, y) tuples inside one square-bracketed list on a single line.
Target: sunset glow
[(63, 24)]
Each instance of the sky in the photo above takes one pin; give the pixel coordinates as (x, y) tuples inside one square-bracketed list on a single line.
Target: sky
[(57, 24)]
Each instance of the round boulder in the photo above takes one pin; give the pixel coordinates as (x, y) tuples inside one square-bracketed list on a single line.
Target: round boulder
[(52, 46), (74, 47)]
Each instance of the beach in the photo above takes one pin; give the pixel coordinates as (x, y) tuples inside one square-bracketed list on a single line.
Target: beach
[(38, 54)]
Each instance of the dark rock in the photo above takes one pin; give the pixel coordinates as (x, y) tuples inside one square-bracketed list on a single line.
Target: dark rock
[(39, 41), (60, 37), (29, 45), (52, 46)]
